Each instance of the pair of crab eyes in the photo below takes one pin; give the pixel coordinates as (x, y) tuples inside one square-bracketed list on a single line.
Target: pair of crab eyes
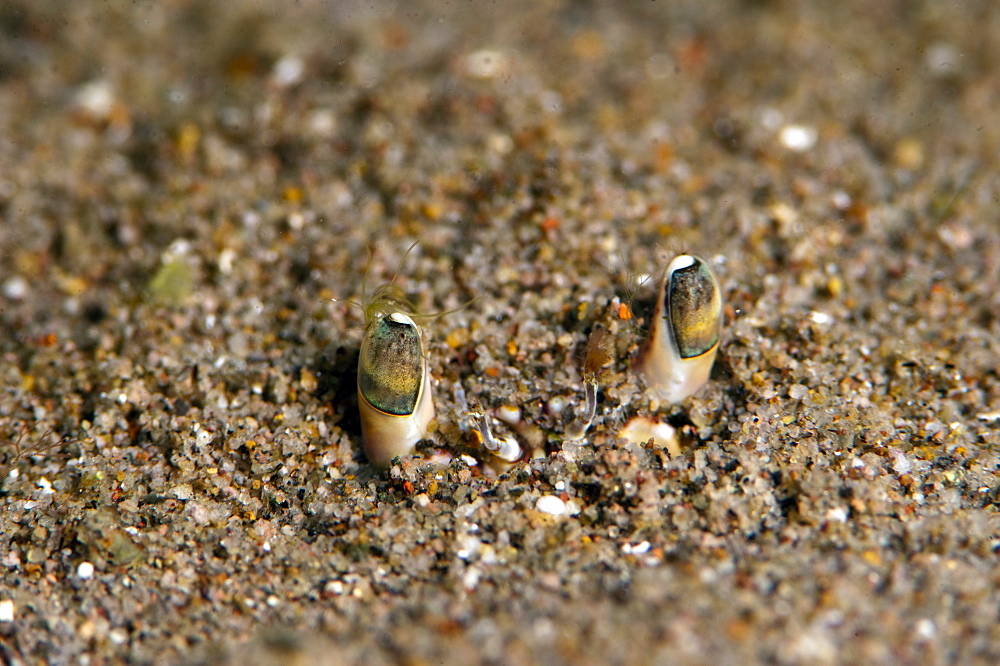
[(392, 364), (394, 386)]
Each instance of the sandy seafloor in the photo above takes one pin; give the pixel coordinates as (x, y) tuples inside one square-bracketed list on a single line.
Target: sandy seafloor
[(184, 186)]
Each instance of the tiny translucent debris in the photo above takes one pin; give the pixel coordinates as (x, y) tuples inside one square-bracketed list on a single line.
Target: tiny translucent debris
[(956, 236), (322, 123), (469, 547), (84, 570), (820, 317), (488, 556), (551, 505), (555, 405), (288, 71), (226, 259), (638, 549), (96, 99), (470, 579), (183, 491), (900, 463), (837, 514), (799, 138), (770, 118), (925, 629), (841, 200), (6, 610), (118, 636), (487, 63), (16, 288), (943, 59), (797, 391), (202, 437)]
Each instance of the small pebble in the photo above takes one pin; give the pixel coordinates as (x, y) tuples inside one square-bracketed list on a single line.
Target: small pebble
[(820, 317), (288, 71), (642, 429), (638, 549), (487, 64), (798, 138), (16, 288), (925, 629), (6, 610), (96, 99), (84, 570), (797, 391), (837, 515), (509, 414), (551, 505), (556, 404)]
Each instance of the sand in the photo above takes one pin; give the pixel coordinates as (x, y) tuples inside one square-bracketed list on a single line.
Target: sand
[(184, 187)]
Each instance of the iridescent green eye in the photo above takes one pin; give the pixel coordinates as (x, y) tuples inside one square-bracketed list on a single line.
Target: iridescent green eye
[(694, 305), (391, 365), (394, 387), (684, 338)]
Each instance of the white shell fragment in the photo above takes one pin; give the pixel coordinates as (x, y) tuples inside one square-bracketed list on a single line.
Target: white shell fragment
[(551, 505), (642, 429), (84, 570), (6, 610), (798, 138)]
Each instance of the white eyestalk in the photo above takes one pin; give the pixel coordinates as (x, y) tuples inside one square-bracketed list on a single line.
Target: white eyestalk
[(600, 356), (504, 448)]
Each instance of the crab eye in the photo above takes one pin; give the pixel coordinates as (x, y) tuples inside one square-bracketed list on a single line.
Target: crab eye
[(394, 393), (391, 365), (693, 306), (678, 356)]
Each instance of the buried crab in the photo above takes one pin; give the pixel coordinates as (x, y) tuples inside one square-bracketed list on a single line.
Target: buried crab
[(394, 389)]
